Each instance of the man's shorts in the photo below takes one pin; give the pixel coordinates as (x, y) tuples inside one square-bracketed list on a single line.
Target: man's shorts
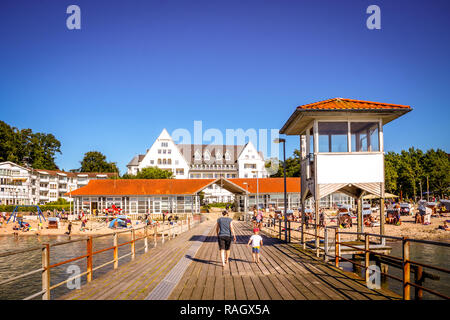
[(224, 242), (255, 249)]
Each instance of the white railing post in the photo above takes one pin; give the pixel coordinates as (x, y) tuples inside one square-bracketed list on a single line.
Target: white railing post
[(325, 243), (46, 271)]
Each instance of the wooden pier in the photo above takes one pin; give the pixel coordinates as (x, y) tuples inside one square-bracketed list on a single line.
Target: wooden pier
[(189, 267)]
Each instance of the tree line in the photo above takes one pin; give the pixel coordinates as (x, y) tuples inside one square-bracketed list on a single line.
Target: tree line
[(405, 172), (25, 147)]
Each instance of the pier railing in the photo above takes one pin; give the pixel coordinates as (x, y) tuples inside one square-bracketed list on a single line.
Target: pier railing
[(333, 250), (149, 232)]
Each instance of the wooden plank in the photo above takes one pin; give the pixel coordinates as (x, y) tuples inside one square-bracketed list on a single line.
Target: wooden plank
[(280, 287), (229, 288), (259, 287), (219, 288), (249, 288), (203, 254), (296, 294), (270, 288), (239, 288)]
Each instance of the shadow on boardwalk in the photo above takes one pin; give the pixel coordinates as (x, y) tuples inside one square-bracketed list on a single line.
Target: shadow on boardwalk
[(286, 272)]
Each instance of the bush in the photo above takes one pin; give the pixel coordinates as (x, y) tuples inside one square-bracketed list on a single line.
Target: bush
[(219, 205)]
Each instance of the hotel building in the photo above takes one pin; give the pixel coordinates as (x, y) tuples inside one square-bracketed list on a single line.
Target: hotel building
[(28, 186), (195, 161)]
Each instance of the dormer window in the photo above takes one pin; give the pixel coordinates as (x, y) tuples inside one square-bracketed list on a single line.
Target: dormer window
[(227, 156), (218, 156), (197, 156), (207, 155)]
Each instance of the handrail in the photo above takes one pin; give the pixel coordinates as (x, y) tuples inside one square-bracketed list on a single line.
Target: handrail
[(404, 263), (170, 230)]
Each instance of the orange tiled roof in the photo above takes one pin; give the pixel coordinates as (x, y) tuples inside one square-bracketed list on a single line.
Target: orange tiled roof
[(350, 104), (142, 187), (268, 185)]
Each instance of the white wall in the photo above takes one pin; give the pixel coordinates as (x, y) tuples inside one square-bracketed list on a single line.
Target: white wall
[(175, 155), (250, 155), (348, 168)]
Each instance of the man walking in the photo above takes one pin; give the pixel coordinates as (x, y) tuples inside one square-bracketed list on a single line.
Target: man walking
[(225, 230)]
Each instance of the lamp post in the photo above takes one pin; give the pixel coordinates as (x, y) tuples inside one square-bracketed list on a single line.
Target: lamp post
[(246, 201), (257, 191), (280, 140)]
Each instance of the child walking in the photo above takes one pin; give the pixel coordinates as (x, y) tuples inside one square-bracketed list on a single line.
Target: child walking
[(256, 241)]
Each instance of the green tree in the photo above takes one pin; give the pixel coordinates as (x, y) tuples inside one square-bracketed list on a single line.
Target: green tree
[(25, 147), (437, 168), (391, 165), (292, 165), (95, 161), (150, 173)]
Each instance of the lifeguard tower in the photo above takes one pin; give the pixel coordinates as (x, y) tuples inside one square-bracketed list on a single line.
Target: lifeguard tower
[(341, 143)]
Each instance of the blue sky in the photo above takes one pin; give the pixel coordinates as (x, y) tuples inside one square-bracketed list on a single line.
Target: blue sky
[(136, 67)]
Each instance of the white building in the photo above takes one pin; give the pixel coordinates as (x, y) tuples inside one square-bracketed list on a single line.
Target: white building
[(193, 161), (28, 186)]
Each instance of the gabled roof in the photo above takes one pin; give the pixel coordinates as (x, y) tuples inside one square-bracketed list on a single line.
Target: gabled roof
[(134, 187), (136, 160), (303, 115), (350, 104), (268, 185)]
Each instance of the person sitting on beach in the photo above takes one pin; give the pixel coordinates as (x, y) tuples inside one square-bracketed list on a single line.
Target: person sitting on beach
[(418, 217), (445, 226)]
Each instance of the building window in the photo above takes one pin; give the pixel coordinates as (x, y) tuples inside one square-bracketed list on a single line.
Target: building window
[(164, 144), (159, 151), (159, 161), (197, 155), (152, 161), (364, 136), (206, 155), (164, 151), (180, 171), (227, 156), (169, 151), (164, 161), (249, 166), (169, 161), (333, 137), (176, 161)]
